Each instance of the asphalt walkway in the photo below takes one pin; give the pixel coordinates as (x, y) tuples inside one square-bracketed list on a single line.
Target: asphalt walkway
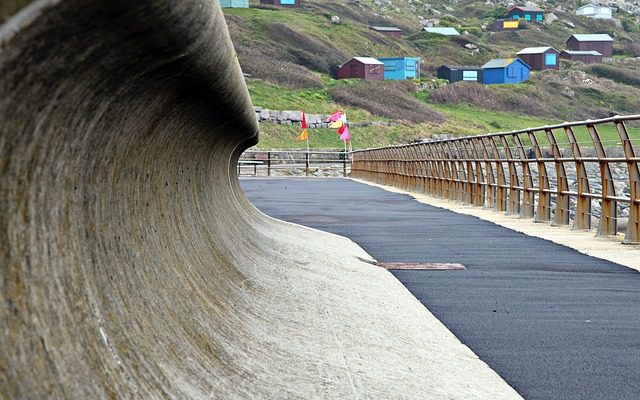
[(554, 323)]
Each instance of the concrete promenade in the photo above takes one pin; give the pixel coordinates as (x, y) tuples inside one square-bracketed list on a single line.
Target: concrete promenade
[(554, 323)]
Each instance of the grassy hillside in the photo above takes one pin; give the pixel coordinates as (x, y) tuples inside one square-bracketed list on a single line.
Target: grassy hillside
[(290, 56)]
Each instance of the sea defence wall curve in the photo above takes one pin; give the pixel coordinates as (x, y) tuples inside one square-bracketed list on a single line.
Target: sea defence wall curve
[(131, 264)]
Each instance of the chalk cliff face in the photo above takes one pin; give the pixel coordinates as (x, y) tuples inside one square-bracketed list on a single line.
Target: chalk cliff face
[(119, 122)]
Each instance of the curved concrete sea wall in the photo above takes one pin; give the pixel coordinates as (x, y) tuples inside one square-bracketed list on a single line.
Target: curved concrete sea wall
[(131, 264)]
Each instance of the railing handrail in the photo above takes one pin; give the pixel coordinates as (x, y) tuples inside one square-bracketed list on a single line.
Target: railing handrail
[(299, 158), (510, 172), (563, 125)]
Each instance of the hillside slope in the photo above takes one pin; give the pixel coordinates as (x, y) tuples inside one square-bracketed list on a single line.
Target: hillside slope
[(290, 57)]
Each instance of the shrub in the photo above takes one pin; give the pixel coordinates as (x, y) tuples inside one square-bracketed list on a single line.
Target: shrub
[(281, 73), (617, 74), (303, 49), (508, 98)]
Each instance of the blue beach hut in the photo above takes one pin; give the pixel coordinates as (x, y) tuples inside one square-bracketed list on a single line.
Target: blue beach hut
[(401, 68), (234, 3), (505, 70)]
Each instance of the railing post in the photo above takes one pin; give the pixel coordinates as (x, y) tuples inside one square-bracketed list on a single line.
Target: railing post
[(501, 192), (306, 163), (582, 219), (543, 211), (268, 163), (489, 174), (470, 181), (608, 211), (344, 165), (480, 189), (513, 204), (528, 197), (561, 214), (632, 235)]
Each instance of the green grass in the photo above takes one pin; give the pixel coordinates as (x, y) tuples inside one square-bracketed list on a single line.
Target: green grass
[(462, 120), (468, 120), (274, 136)]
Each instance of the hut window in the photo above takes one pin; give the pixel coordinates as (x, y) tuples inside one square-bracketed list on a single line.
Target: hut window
[(511, 72), (390, 67), (470, 76), (374, 69), (550, 59), (411, 66), (515, 16), (539, 17), (527, 17), (289, 2)]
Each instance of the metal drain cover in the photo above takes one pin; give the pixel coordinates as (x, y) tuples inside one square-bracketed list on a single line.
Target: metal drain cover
[(422, 266)]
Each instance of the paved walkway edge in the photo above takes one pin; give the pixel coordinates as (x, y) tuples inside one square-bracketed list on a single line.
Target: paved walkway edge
[(386, 324), (606, 248)]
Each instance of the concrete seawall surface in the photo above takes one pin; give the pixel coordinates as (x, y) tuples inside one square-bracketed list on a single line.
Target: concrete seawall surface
[(131, 264)]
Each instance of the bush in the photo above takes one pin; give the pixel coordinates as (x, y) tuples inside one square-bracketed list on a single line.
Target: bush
[(617, 74), (393, 100), (496, 13), (507, 98), (302, 48), (281, 73)]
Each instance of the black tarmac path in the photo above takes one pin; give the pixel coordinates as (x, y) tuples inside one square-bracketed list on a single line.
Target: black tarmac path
[(554, 323)]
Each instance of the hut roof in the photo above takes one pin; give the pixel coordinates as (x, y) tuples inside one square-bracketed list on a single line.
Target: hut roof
[(525, 9), (602, 37), (534, 50), (368, 60), (502, 63), (452, 67), (582, 52), (386, 29), (445, 30)]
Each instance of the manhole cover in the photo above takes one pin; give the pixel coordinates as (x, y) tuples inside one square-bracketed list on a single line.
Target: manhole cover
[(423, 266)]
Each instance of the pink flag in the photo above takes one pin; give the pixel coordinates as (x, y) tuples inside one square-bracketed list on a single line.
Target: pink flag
[(335, 116), (345, 135)]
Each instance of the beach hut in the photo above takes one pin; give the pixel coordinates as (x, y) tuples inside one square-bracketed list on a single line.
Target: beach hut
[(234, 3), (445, 30), (586, 57), (500, 25), (602, 43), (283, 3), (457, 73), (362, 68), (595, 11), (387, 30), (529, 14), (506, 70), (539, 58), (401, 68)]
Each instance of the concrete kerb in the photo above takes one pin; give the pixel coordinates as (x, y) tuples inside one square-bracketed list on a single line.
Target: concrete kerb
[(421, 339), (606, 248)]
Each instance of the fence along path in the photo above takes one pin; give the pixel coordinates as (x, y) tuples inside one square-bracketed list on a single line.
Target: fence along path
[(530, 172)]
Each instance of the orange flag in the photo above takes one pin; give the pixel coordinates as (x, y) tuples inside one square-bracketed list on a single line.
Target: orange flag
[(304, 135)]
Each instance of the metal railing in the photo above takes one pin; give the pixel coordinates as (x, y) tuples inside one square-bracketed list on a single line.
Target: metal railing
[(543, 173), (294, 163)]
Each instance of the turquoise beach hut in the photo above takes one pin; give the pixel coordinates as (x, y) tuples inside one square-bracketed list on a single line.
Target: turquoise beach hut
[(234, 3), (401, 68)]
